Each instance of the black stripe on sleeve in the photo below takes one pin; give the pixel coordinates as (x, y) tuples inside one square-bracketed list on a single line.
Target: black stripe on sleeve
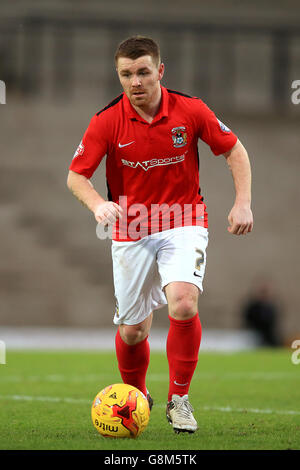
[(112, 103), (181, 94)]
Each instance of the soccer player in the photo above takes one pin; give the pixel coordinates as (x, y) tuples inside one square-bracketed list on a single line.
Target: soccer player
[(149, 135)]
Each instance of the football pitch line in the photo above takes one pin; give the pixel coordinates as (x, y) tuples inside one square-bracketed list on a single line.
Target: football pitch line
[(222, 409), (266, 376)]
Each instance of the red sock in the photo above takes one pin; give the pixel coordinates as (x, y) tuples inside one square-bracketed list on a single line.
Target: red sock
[(133, 361), (183, 345)]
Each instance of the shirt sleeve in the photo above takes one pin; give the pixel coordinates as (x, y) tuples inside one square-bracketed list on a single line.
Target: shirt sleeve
[(212, 131), (92, 148)]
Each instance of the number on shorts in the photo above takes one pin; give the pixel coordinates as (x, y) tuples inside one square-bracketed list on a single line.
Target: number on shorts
[(200, 259)]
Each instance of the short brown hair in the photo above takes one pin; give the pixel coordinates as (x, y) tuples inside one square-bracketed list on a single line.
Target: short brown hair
[(137, 46)]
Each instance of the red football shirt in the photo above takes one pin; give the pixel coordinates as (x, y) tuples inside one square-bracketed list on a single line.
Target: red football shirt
[(152, 170)]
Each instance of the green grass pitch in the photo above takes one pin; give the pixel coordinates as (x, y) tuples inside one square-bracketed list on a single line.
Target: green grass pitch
[(243, 401)]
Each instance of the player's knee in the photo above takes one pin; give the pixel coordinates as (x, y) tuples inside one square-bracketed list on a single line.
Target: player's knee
[(132, 334), (183, 308)]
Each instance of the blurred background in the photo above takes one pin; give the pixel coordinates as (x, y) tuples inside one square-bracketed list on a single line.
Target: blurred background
[(56, 59)]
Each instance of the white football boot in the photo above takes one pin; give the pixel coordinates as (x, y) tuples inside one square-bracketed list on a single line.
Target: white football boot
[(180, 414)]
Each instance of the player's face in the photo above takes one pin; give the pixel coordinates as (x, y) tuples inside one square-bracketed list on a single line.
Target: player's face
[(140, 79)]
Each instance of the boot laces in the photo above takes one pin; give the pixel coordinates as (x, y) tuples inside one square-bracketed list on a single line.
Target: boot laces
[(184, 408)]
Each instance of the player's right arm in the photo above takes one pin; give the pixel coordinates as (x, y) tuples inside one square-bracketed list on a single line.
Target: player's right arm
[(90, 152), (105, 212)]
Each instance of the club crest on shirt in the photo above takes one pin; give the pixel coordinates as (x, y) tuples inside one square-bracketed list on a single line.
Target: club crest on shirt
[(79, 150), (179, 136)]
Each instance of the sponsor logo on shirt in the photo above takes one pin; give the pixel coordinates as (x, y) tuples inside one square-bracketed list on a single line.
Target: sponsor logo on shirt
[(223, 127), (179, 136), (79, 150), (147, 164), (125, 145)]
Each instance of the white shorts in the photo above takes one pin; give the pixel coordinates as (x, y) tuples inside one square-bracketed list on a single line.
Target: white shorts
[(142, 269)]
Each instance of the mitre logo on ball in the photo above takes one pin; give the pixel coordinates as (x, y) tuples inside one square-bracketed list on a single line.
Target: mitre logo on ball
[(120, 410)]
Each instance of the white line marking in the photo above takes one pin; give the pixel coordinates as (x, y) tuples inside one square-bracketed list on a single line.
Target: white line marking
[(159, 377), (225, 409), (229, 409), (45, 399)]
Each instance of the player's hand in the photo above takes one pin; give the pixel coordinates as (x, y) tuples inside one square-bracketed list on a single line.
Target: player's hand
[(108, 212), (240, 220)]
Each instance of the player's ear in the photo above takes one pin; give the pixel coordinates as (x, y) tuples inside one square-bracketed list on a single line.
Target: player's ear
[(161, 70)]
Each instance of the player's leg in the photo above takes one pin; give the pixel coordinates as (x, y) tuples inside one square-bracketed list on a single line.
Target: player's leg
[(133, 334), (183, 343), (184, 336), (135, 273), (133, 353), (182, 266)]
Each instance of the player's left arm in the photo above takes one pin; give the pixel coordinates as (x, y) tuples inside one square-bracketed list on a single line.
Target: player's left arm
[(240, 217)]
